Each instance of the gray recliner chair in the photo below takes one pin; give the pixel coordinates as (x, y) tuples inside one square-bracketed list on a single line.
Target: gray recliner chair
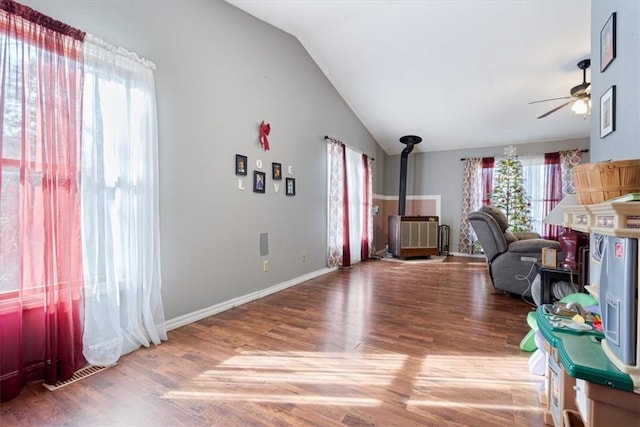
[(504, 250)]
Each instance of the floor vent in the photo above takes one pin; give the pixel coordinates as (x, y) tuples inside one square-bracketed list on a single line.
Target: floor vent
[(78, 375)]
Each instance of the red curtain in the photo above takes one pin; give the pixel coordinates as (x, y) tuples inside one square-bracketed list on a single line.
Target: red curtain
[(40, 248), (366, 209), (487, 179), (346, 247), (552, 192)]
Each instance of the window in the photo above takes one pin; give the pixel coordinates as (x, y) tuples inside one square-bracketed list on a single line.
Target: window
[(112, 167), (29, 165), (542, 181), (533, 172)]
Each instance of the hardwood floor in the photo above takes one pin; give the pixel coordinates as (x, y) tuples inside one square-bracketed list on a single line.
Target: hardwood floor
[(383, 343)]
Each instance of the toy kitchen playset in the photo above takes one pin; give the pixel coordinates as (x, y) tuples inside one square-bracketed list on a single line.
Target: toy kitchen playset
[(596, 376)]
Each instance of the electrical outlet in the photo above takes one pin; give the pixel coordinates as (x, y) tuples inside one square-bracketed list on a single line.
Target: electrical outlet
[(304, 256), (265, 265), (528, 259)]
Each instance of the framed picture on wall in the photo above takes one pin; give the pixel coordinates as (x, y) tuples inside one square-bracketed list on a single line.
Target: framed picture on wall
[(276, 171), (259, 181), (608, 112), (549, 257), (291, 187), (608, 42), (241, 164)]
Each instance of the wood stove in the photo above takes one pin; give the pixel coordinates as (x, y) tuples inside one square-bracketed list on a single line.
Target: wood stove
[(411, 236)]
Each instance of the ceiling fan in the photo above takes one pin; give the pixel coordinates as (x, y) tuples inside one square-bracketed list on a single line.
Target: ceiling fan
[(579, 94)]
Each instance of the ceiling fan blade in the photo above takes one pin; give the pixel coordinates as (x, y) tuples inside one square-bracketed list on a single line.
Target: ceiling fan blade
[(555, 109), (550, 99)]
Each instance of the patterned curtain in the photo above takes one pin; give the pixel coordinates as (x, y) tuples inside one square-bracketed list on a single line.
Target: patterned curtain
[(476, 191), (568, 160), (337, 187), (471, 190)]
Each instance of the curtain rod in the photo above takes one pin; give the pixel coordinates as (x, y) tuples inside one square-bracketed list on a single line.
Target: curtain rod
[(358, 151), (584, 150)]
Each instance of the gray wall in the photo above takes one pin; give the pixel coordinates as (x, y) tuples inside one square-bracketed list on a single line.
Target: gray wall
[(624, 73), (219, 73), (440, 173)]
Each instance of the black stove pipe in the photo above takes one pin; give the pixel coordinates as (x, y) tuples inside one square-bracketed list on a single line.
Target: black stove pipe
[(410, 141)]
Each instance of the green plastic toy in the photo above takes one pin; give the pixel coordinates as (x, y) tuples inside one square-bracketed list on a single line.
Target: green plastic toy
[(528, 343)]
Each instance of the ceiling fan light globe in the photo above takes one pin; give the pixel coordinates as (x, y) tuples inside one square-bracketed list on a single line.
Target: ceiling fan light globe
[(580, 107)]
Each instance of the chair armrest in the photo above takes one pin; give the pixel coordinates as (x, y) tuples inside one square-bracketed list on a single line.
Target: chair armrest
[(523, 235), (533, 245)]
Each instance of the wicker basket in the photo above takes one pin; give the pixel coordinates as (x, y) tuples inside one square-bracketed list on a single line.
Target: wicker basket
[(599, 182)]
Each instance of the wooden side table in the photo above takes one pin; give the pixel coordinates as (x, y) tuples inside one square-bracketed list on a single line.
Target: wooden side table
[(549, 275)]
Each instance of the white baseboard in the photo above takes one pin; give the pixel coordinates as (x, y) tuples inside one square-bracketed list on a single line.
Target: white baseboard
[(383, 253), (468, 255), (235, 302)]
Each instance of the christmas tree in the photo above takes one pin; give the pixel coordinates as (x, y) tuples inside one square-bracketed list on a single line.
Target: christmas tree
[(509, 194)]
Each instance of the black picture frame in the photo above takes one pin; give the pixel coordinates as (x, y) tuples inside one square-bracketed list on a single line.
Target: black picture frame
[(259, 182), (608, 112), (241, 164), (608, 42), (276, 171), (290, 187)]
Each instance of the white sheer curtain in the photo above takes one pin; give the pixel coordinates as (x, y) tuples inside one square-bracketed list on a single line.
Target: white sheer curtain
[(355, 183), (471, 201), (119, 202), (533, 174)]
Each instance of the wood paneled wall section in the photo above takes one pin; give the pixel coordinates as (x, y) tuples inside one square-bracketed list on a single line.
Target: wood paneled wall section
[(421, 207)]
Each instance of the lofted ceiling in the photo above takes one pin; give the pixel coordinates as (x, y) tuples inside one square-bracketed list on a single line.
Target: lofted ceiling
[(458, 73)]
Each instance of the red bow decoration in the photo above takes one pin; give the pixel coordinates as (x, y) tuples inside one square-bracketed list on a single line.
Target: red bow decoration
[(264, 131)]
